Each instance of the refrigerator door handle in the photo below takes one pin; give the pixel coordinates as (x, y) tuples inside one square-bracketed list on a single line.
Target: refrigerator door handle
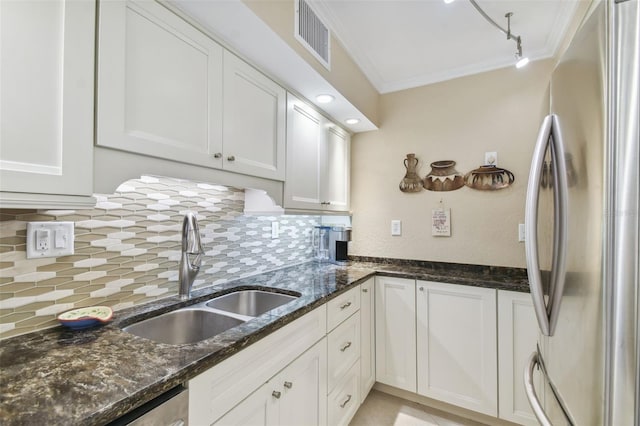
[(530, 390), (560, 227), (531, 225)]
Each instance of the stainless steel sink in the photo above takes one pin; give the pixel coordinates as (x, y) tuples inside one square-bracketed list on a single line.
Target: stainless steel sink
[(251, 303), (185, 325)]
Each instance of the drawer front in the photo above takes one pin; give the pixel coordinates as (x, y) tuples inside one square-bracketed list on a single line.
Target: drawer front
[(345, 399), (343, 349), (342, 307)]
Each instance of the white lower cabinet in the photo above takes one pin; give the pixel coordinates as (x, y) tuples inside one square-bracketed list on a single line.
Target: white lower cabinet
[(456, 345), (517, 336), (396, 332), (221, 388), (295, 396), (367, 338)]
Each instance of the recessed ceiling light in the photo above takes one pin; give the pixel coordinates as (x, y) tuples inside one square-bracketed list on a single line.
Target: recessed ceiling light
[(324, 99), (352, 121)]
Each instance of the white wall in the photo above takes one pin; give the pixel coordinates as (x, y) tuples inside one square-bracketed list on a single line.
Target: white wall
[(454, 120)]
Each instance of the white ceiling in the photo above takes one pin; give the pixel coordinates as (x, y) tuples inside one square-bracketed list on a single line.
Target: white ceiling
[(400, 44)]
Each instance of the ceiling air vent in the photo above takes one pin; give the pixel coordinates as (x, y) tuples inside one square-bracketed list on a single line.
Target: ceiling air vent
[(312, 32)]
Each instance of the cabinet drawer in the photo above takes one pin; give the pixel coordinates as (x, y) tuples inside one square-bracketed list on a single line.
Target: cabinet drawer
[(343, 349), (344, 400), (342, 307)]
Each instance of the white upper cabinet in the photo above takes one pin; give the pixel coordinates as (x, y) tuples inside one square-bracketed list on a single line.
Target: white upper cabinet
[(254, 122), (456, 345), (159, 84), (335, 188), (317, 161), (46, 124), (167, 90)]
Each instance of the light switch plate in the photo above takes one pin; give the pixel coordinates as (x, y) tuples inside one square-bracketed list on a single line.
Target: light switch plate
[(49, 239), (396, 227), (521, 233)]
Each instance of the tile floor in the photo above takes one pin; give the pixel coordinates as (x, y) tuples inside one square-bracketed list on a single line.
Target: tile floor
[(381, 409)]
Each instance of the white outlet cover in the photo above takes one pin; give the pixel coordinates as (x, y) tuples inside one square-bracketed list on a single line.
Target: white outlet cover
[(491, 158), (58, 241)]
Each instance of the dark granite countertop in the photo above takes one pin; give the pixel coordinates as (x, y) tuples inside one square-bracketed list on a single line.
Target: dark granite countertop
[(63, 377)]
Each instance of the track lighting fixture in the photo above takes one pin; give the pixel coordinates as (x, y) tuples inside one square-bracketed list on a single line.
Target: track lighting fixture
[(521, 61)]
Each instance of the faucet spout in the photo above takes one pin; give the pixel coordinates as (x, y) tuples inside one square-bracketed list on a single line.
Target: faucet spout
[(191, 257)]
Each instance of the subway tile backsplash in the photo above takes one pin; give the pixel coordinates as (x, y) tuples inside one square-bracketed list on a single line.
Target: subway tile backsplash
[(127, 249)]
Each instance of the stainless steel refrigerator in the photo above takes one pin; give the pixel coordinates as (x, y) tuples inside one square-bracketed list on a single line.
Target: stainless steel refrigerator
[(582, 229)]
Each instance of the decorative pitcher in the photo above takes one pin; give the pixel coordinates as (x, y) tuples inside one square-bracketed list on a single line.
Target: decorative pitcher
[(411, 181)]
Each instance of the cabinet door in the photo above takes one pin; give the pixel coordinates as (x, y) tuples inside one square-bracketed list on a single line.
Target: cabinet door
[(304, 140), (258, 409), (396, 332), (46, 141), (367, 339), (304, 388), (159, 84), (517, 337), (254, 121), (335, 183), (457, 359)]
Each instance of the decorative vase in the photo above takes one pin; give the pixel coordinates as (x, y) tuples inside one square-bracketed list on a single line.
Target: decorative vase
[(443, 177), (411, 181)]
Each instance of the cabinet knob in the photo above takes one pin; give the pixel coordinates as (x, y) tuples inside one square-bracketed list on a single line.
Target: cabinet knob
[(276, 394), (217, 155), (364, 290), (346, 305), (346, 401), (345, 347), (288, 385), (421, 288), (231, 158)]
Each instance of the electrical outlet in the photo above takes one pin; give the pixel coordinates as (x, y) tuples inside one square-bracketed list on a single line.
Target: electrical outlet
[(396, 227), (491, 159), (521, 232), (49, 239)]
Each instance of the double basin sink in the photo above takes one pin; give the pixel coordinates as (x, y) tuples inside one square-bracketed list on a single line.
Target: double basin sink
[(207, 319)]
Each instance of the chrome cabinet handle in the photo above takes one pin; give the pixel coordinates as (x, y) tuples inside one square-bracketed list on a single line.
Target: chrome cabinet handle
[(288, 385), (217, 155), (231, 158), (276, 394), (346, 305), (345, 347), (325, 203), (531, 391), (346, 401)]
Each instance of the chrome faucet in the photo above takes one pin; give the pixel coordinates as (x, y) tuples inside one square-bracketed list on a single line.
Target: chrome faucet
[(191, 255)]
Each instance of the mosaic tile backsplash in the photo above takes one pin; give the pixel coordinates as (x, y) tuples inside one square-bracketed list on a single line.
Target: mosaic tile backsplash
[(127, 250)]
